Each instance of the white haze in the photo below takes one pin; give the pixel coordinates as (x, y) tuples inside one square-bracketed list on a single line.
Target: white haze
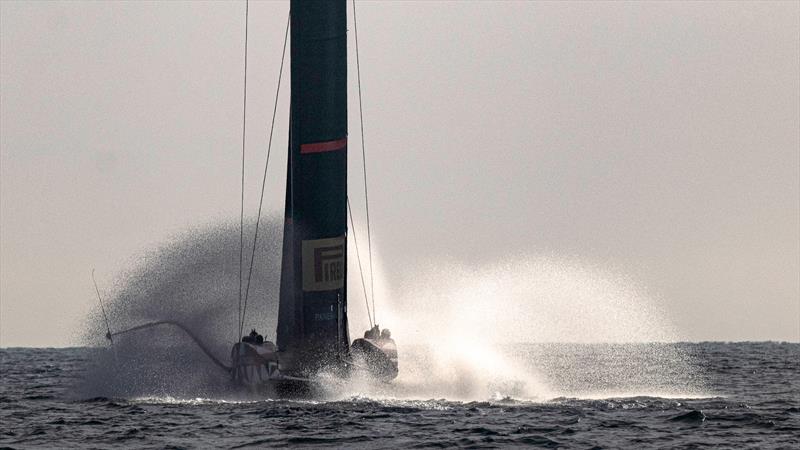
[(533, 299)]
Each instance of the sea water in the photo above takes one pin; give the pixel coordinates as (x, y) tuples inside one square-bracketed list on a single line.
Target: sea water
[(595, 397)]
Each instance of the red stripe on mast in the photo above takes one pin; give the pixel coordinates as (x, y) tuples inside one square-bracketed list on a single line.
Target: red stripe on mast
[(327, 146)]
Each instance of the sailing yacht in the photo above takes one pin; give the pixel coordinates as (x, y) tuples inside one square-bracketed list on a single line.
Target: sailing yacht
[(312, 331)]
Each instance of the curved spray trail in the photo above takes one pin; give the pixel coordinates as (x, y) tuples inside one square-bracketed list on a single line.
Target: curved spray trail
[(533, 329)]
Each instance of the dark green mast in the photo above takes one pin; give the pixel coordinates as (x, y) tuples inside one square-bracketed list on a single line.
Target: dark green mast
[(312, 319)]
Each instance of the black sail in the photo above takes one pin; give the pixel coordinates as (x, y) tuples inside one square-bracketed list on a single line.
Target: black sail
[(312, 318)]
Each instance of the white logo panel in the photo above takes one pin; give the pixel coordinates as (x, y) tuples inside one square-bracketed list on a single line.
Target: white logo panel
[(323, 264)]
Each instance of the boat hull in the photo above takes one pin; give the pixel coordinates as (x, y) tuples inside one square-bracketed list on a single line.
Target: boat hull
[(261, 368), (378, 357)]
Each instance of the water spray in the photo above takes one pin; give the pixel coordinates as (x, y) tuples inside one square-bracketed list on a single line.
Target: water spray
[(185, 330)]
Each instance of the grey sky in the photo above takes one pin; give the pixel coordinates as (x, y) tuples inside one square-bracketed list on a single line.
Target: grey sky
[(660, 139)]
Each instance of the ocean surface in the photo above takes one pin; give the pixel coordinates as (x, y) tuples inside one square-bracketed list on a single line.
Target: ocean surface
[(577, 396)]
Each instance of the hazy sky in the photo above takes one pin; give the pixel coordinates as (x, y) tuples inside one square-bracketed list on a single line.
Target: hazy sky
[(660, 139)]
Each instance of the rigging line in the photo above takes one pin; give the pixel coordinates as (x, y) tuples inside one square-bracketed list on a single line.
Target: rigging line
[(103, 309), (244, 129), (364, 160), (264, 179), (358, 257)]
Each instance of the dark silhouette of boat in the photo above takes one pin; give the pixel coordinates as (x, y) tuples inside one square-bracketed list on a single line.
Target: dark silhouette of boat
[(312, 330)]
